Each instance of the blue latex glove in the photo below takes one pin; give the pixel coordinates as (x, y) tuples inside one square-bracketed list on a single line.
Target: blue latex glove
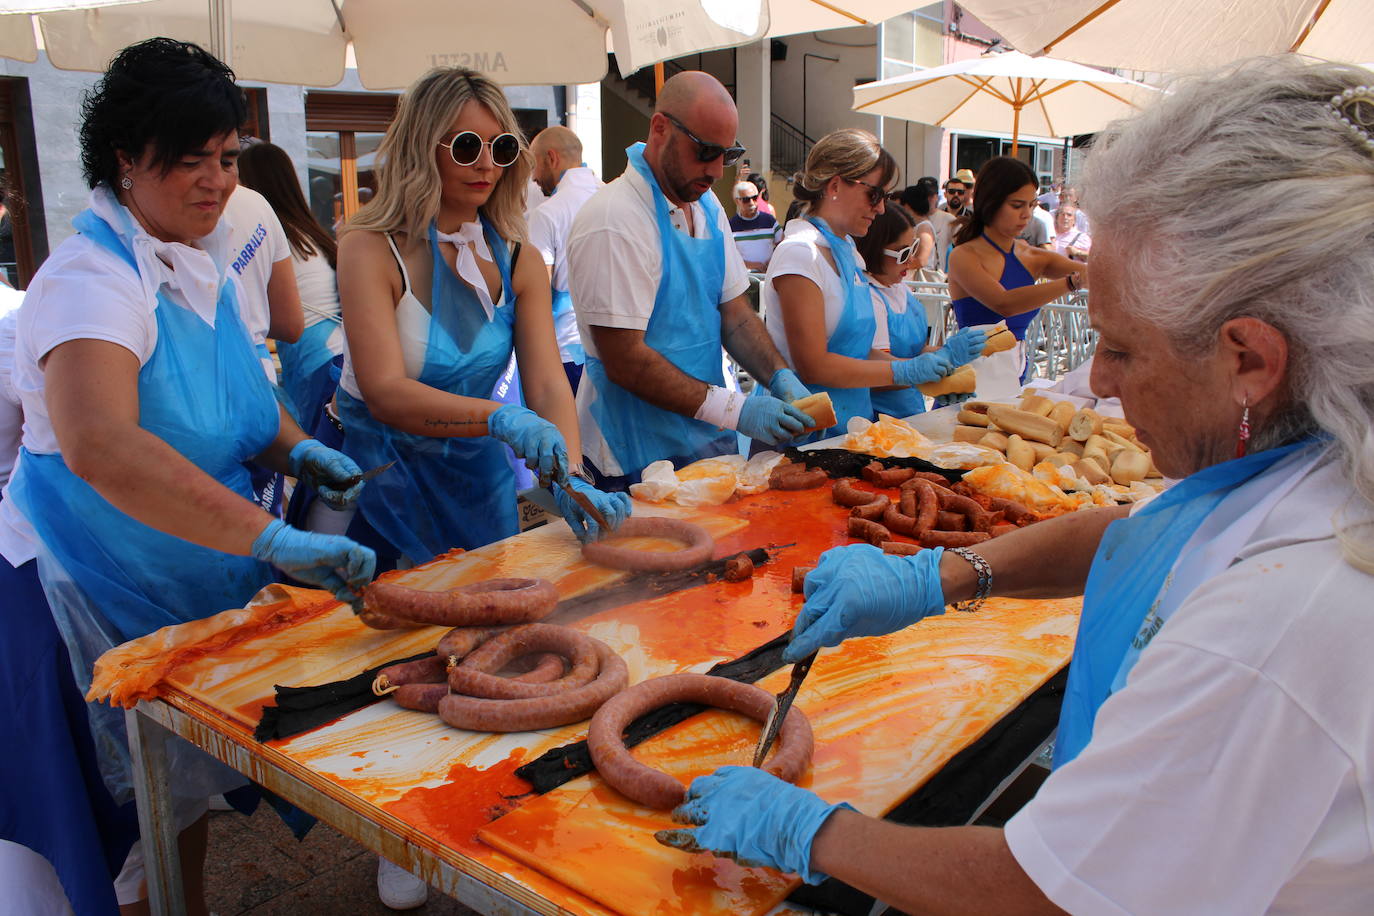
[(317, 465), (860, 591), (771, 421), (928, 367), (533, 438), (752, 817), (964, 345), (785, 386), (945, 400), (327, 560), (615, 506)]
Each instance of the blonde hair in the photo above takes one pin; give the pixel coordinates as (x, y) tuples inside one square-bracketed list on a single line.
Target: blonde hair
[(408, 183), (846, 153)]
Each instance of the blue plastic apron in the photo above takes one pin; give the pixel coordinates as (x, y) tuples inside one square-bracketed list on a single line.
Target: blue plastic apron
[(562, 305), (444, 491), (309, 371), (685, 329), (1126, 580), (110, 578), (853, 334), (907, 334)]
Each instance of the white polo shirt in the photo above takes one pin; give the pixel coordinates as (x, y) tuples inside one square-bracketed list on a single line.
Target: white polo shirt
[(1234, 772), (258, 242), (614, 258), (550, 225), (803, 253)]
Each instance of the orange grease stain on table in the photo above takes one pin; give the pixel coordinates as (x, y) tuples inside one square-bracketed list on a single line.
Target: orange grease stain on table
[(469, 799)]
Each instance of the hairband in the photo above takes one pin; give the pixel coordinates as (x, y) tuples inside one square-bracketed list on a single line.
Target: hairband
[(1346, 108)]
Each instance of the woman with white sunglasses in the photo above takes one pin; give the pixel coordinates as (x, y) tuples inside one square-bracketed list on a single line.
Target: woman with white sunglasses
[(817, 301), (436, 295)]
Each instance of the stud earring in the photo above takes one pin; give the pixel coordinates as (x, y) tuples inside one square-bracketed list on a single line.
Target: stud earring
[(126, 182)]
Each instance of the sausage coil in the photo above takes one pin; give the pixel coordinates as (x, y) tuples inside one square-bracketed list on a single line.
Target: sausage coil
[(699, 546)]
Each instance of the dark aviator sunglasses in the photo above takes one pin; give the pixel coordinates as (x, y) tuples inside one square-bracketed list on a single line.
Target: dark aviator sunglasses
[(710, 152)]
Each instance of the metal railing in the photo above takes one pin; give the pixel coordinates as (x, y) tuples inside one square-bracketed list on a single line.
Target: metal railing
[(788, 146)]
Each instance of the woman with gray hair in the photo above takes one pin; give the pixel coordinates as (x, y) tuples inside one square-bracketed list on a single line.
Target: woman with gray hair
[(1216, 746)]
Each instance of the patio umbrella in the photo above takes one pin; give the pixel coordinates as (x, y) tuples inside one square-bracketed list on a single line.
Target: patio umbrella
[(1166, 36), (1009, 93)]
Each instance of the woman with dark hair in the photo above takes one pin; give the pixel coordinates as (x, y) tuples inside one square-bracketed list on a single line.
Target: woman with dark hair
[(918, 205), (993, 274), (130, 507), (889, 248), (310, 366), (817, 303)]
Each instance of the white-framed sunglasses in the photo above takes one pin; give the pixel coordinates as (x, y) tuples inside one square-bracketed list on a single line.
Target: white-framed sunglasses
[(466, 148), (901, 255)]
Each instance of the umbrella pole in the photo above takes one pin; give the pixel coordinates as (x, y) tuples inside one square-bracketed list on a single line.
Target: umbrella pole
[(658, 78), (1015, 129)]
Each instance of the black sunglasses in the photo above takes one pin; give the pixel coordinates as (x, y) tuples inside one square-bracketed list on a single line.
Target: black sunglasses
[(876, 195), (466, 148), (749, 197), (710, 152)]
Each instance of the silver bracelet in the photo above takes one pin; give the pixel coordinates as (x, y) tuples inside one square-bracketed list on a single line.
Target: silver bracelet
[(984, 571)]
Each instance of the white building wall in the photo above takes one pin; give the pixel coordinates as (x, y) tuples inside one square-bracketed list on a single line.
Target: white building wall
[(829, 87)]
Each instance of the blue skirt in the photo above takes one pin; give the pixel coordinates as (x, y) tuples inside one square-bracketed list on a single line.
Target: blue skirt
[(55, 801)]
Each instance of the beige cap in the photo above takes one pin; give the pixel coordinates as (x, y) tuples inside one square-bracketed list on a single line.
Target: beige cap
[(965, 175)]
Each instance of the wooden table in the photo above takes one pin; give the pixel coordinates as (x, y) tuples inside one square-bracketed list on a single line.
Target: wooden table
[(888, 713)]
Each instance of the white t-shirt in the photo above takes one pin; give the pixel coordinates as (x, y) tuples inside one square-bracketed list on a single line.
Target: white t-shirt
[(319, 290), (944, 235), (802, 252), (1234, 773), (615, 261), (83, 291), (258, 242), (11, 411), (549, 228)]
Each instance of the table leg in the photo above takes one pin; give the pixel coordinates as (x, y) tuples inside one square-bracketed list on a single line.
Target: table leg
[(156, 821)]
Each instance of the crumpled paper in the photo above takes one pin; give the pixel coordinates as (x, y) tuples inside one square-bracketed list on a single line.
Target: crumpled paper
[(708, 482)]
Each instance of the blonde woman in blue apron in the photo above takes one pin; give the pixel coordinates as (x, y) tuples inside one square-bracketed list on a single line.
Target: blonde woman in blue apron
[(818, 305), (436, 292), (891, 249), (143, 397)]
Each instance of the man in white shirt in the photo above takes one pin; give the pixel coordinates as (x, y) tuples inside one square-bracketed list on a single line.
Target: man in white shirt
[(268, 299), (659, 288), (559, 172)]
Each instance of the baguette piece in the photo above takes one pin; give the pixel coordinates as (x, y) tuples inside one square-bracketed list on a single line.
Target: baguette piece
[(1087, 422), (1020, 453), (1026, 425), (1120, 440), (998, 339), (961, 381), (1129, 467), (819, 409), (969, 433), (972, 418), (1034, 403), (994, 439), (1063, 414), (1042, 451), (1091, 472)]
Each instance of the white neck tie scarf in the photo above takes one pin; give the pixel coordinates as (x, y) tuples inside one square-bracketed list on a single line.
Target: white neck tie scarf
[(471, 245), (180, 267)]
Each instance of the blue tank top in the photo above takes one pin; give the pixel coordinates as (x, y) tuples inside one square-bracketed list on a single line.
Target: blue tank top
[(969, 312)]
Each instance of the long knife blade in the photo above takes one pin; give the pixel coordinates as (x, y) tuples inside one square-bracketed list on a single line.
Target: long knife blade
[(587, 507), (365, 475), (780, 707)]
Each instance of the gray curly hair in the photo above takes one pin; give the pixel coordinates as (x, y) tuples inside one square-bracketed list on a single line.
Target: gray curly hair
[(1285, 234)]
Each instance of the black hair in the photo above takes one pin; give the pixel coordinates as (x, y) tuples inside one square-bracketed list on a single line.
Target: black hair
[(996, 181), (758, 181), (885, 229), (917, 196), (161, 96)]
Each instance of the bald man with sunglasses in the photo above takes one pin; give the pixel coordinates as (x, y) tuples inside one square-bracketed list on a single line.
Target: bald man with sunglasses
[(659, 288)]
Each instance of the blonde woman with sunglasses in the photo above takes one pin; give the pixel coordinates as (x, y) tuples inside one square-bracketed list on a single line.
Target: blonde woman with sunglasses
[(436, 293), (819, 307)]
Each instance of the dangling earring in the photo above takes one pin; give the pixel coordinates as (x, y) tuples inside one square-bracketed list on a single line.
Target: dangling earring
[(1243, 439), (126, 182)]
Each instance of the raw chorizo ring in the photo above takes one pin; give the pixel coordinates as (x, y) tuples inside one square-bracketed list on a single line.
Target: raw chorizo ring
[(865, 530), (492, 601), (482, 715), (476, 675), (799, 480), (656, 789), (871, 511), (880, 476), (900, 549), (979, 519), (379, 621), (547, 667), (428, 670), (953, 538), (844, 493), (700, 546), (927, 506), (420, 697), (460, 641)]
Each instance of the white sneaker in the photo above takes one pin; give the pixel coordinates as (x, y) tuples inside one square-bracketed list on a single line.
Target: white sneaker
[(398, 888)]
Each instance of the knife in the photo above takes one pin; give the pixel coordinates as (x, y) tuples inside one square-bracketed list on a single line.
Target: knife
[(365, 475), (781, 705), (585, 503)]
